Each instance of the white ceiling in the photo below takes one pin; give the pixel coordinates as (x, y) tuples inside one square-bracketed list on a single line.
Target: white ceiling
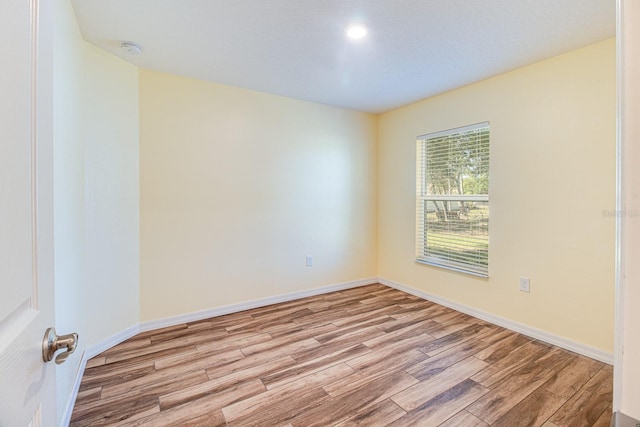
[(297, 48)]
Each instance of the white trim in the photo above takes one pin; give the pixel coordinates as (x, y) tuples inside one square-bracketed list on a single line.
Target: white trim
[(113, 340), (68, 409), (87, 354), (448, 265), (247, 305), (116, 339), (121, 336), (455, 131), (529, 331), (455, 197), (618, 334)]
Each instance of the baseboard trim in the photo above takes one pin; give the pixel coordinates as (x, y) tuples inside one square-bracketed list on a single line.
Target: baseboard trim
[(121, 336), (113, 340), (68, 409), (529, 331), (248, 305), (87, 354)]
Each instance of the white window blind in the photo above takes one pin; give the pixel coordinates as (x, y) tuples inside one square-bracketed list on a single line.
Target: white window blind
[(452, 199)]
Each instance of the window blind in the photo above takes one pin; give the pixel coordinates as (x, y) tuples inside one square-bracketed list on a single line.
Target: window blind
[(452, 199)]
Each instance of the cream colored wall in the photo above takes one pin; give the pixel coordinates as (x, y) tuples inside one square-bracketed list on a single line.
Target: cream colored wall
[(96, 200), (237, 187), (627, 368), (552, 179)]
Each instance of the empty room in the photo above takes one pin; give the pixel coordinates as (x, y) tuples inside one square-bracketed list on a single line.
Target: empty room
[(320, 213)]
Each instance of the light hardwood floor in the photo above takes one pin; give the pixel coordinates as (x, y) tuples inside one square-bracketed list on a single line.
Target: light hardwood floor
[(372, 356)]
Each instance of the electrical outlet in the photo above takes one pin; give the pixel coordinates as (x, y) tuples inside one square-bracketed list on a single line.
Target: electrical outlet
[(524, 284), (309, 261)]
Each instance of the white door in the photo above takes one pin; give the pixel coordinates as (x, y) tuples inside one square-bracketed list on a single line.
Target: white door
[(27, 384)]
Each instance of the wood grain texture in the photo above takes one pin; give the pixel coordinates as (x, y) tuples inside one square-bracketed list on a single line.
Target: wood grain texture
[(532, 410), (464, 419), (586, 407), (370, 356)]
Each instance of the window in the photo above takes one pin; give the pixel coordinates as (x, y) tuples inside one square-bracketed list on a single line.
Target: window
[(452, 199)]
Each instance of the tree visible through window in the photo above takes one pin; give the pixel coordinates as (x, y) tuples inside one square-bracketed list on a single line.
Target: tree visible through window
[(452, 199)]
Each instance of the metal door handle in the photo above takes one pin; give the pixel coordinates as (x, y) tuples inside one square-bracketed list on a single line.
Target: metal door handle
[(52, 343)]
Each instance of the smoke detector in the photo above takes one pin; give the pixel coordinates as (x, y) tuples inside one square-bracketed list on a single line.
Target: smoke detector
[(131, 48)]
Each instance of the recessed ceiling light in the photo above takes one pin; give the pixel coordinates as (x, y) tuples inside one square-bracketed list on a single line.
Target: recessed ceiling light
[(356, 32)]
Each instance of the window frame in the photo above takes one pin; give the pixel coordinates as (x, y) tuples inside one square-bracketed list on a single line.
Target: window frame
[(423, 198)]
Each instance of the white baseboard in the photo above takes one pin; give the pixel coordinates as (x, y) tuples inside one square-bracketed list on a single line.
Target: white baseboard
[(121, 336), (529, 331), (87, 354), (68, 409), (248, 305), (115, 339)]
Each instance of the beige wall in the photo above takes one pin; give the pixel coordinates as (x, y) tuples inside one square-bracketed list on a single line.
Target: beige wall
[(627, 368), (96, 200), (552, 176), (237, 187)]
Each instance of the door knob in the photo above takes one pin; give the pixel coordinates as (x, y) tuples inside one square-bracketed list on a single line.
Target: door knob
[(52, 343)]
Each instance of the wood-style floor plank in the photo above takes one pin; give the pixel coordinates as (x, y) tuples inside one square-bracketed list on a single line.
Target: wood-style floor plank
[(371, 356), (366, 374), (438, 363), (503, 368), (281, 404), (424, 391), (509, 392), (464, 419), (314, 365), (380, 414), (442, 407), (533, 410), (217, 397), (569, 380), (586, 407), (358, 400)]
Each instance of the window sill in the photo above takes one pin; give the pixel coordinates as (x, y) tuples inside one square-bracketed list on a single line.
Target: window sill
[(452, 268)]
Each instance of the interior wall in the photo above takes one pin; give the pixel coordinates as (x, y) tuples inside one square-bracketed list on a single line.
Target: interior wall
[(96, 192), (552, 194), (238, 187), (627, 369)]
